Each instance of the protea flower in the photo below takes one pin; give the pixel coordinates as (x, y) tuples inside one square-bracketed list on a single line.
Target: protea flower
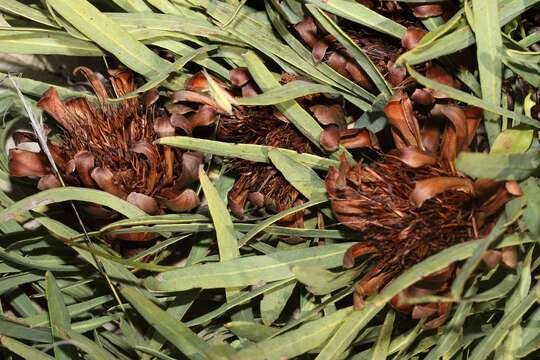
[(410, 203), (109, 146), (260, 184)]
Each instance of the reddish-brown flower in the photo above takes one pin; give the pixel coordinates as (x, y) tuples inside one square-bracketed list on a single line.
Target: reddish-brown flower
[(258, 184), (411, 202), (110, 146)]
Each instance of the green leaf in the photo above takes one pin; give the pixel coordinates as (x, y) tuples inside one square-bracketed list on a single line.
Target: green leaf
[(58, 316), (68, 193), (488, 53), (173, 330), (493, 339), (23, 350), (18, 331), (274, 218), (526, 65), (20, 9), (498, 166), (472, 263), (430, 48), (251, 152), (250, 330), (132, 5), (289, 91), (380, 351), (47, 43), (109, 35), (73, 310), (531, 214), (361, 14), (453, 331), (320, 281), (273, 302), (93, 350), (238, 299), (226, 236), (247, 271), (512, 141), (302, 177), (38, 88), (295, 342)]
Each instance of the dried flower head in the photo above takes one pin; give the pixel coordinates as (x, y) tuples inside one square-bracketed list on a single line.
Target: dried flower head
[(410, 203), (262, 185), (110, 146)]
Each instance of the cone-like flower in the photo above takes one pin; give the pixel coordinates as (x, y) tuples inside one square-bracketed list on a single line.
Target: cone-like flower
[(110, 146)]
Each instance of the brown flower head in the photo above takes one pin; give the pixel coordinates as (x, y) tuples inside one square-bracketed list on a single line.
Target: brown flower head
[(411, 203), (382, 49), (110, 146), (258, 184)]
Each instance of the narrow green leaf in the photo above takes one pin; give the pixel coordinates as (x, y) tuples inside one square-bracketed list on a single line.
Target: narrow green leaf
[(274, 301), (357, 53), (73, 310), (226, 236), (46, 43), (498, 166), (361, 14), (295, 342), (250, 330), (501, 329), (173, 330), (132, 5), (472, 263), (274, 218), (289, 91), (320, 281), (461, 37), (23, 350), (381, 349), (239, 299), (247, 271), (93, 350), (531, 214), (488, 53), (251, 152), (109, 35), (68, 193), (58, 316), (18, 8), (302, 177), (18, 331)]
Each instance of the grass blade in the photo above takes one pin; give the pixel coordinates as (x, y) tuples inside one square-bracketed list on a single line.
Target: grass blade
[(173, 330), (109, 35), (247, 271), (382, 346), (58, 316), (251, 152)]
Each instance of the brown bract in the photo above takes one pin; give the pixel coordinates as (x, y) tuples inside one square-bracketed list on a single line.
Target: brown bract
[(110, 146), (410, 203)]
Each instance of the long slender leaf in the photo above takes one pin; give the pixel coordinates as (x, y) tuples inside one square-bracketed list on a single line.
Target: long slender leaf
[(110, 36)]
